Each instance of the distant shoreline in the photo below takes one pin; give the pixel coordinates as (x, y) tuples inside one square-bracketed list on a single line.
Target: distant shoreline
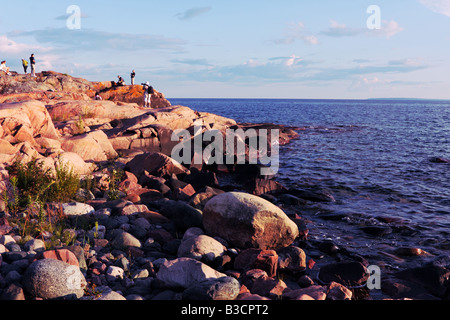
[(299, 99)]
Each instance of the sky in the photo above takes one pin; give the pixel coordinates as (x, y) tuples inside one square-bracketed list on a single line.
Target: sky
[(292, 49)]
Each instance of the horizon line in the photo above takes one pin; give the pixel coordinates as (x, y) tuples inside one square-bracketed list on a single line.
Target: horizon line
[(355, 99)]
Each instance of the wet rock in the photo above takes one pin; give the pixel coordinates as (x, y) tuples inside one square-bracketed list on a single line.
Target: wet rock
[(377, 231), (410, 252), (431, 277), (439, 160), (290, 199), (292, 259), (313, 195), (401, 289), (328, 247), (247, 221), (263, 186), (349, 274), (226, 288), (337, 291)]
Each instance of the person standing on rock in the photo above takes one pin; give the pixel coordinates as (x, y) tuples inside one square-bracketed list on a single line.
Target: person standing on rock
[(148, 92), (25, 66), (133, 75), (33, 65)]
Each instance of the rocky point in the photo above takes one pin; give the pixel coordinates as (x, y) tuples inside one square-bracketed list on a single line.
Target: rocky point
[(142, 226)]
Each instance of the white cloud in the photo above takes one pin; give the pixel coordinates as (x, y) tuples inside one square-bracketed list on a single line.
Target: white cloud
[(337, 30), (292, 61), (92, 40), (438, 6), (340, 30), (391, 28), (297, 31), (11, 47)]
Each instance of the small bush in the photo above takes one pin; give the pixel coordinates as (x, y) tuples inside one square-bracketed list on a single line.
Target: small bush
[(34, 184)]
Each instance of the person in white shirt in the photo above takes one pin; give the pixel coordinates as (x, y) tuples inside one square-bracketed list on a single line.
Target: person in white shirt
[(4, 68), (148, 92)]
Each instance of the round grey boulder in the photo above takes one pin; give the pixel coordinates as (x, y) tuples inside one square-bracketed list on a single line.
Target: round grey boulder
[(248, 221), (52, 279)]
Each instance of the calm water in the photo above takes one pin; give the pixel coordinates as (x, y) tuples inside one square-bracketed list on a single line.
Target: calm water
[(373, 156)]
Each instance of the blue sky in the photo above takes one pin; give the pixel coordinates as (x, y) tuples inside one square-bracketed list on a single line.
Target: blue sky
[(241, 49)]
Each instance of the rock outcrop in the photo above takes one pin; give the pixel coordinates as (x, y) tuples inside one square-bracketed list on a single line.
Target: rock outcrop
[(153, 227)]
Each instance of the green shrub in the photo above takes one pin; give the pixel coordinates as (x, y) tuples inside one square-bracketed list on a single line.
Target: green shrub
[(34, 184)]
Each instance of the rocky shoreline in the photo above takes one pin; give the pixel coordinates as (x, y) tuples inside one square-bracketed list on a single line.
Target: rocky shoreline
[(144, 227)]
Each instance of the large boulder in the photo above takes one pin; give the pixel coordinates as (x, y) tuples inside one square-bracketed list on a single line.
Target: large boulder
[(73, 161), (104, 111), (51, 279), (24, 121), (156, 164), (93, 146), (248, 221)]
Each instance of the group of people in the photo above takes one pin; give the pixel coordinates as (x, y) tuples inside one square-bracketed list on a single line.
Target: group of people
[(25, 64), (121, 82), (148, 89)]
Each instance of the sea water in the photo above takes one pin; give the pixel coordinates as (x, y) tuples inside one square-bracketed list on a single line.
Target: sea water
[(373, 156)]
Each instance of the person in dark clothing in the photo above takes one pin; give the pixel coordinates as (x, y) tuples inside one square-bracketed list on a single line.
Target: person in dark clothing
[(33, 66), (120, 82), (133, 75), (148, 92)]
